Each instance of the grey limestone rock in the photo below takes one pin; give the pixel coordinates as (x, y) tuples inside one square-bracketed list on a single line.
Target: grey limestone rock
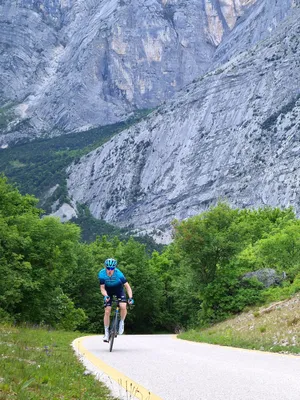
[(267, 276), (75, 64), (231, 135)]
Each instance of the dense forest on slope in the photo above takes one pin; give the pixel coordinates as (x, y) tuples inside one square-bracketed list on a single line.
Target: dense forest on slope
[(49, 276), (39, 165)]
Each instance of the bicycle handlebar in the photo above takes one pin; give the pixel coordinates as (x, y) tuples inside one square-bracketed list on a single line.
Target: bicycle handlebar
[(118, 300)]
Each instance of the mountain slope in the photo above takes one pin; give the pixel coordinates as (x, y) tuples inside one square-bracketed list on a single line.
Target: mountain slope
[(233, 134), (75, 65), (256, 24)]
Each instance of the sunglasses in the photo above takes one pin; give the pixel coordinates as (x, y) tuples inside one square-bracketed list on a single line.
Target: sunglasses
[(110, 268)]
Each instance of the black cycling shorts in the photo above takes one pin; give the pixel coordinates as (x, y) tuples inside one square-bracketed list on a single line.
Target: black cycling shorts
[(118, 292)]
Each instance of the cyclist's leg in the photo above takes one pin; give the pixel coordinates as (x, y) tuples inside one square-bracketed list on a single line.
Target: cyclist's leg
[(107, 305), (123, 302), (106, 320), (123, 310)]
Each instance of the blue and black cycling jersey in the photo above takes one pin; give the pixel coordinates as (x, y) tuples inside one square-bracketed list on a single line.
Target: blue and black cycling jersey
[(113, 284), (117, 278)]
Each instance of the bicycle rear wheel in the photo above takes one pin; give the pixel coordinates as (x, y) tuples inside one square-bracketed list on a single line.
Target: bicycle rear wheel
[(113, 332)]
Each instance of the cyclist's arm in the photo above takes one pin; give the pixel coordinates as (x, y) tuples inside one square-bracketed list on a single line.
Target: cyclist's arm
[(103, 291), (128, 289)]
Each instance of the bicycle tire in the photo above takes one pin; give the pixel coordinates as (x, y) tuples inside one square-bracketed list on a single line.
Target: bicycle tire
[(113, 332)]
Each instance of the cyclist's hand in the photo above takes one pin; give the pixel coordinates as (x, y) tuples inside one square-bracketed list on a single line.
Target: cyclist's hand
[(130, 301), (106, 299)]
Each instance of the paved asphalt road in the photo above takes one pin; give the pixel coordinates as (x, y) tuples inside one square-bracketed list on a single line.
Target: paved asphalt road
[(157, 367)]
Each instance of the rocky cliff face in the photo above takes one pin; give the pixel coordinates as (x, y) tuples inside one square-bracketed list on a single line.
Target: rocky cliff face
[(232, 134), (255, 24), (73, 64)]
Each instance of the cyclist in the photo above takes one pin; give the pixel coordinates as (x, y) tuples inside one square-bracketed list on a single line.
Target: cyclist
[(112, 282)]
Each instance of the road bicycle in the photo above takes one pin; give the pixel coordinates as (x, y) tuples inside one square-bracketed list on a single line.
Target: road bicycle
[(115, 320), (114, 326)]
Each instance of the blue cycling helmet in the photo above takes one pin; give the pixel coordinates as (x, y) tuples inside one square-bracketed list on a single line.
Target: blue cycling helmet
[(110, 263)]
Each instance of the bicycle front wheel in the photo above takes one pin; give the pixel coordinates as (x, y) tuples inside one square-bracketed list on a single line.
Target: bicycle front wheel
[(113, 332)]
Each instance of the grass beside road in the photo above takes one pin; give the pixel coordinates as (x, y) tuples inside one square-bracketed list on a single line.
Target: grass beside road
[(41, 364), (274, 328)]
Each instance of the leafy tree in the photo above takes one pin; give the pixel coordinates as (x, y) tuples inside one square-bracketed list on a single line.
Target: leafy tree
[(15, 271), (218, 247), (49, 247), (36, 256), (227, 295), (12, 203), (179, 298), (82, 286), (207, 242), (281, 250), (252, 225)]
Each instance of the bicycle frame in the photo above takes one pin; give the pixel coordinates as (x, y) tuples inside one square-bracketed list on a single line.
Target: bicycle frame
[(113, 332)]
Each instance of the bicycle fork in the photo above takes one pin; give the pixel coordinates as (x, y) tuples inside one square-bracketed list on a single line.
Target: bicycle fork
[(114, 329)]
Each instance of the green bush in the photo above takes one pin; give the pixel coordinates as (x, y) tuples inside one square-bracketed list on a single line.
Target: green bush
[(229, 295), (287, 289), (63, 314)]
